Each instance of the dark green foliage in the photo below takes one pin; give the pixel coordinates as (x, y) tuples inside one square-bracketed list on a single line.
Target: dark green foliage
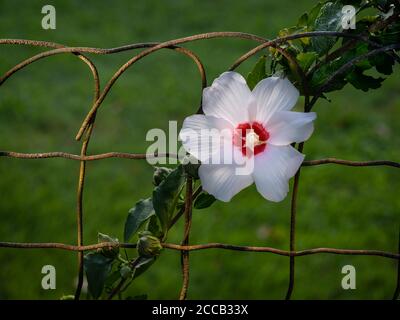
[(321, 57), (329, 19), (137, 216), (166, 196), (257, 74), (204, 200), (97, 268)]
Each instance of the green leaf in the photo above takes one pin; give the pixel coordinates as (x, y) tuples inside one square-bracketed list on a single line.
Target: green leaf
[(293, 45), (303, 20), (307, 19), (166, 196), (362, 81), (204, 200), (328, 19), (139, 214), (360, 49), (388, 38), (142, 264), (322, 74), (306, 59), (257, 74), (102, 237), (111, 279), (383, 63), (154, 227), (306, 23), (97, 268), (313, 14)]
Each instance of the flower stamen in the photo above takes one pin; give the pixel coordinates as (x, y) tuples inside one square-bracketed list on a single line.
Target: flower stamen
[(251, 138)]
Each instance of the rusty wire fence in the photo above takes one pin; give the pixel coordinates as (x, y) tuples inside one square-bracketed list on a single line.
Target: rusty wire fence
[(86, 129)]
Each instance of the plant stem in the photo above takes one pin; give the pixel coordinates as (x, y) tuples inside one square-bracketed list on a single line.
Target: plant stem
[(185, 241)]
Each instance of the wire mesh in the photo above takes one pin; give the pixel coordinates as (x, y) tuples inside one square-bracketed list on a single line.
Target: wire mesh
[(99, 95)]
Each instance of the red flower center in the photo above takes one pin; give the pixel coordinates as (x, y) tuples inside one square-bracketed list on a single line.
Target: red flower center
[(251, 138)]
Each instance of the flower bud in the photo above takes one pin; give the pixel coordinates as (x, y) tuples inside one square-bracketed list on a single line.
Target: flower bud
[(191, 166), (160, 173), (126, 272), (148, 245), (109, 252)]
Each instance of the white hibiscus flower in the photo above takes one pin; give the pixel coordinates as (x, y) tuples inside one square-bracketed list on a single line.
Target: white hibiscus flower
[(261, 128)]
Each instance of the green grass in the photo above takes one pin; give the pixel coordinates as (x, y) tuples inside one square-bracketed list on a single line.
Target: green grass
[(41, 109)]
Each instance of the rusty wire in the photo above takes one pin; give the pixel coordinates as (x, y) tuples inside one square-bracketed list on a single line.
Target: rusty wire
[(142, 156), (198, 247), (99, 96)]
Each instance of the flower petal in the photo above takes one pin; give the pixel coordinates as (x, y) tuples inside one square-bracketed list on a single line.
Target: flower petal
[(286, 127), (222, 180), (229, 98), (273, 168), (274, 94), (202, 136)]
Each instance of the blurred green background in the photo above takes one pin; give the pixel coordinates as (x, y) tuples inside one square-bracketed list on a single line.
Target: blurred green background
[(41, 109)]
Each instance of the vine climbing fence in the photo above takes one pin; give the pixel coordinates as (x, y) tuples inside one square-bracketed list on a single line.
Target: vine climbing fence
[(85, 131)]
